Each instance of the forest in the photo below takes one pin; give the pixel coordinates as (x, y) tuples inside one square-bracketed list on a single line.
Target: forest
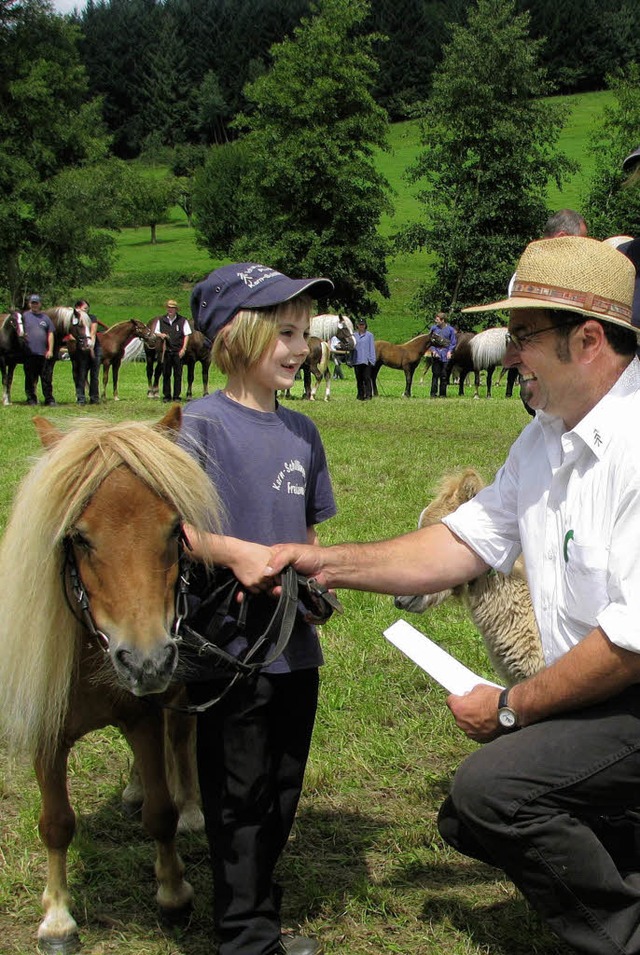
[(173, 71)]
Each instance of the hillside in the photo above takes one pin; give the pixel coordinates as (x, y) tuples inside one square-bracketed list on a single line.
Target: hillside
[(147, 275)]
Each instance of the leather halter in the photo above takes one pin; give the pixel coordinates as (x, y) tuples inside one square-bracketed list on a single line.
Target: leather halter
[(316, 597)]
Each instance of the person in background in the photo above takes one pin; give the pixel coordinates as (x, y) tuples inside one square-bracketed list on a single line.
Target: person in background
[(565, 222), (39, 335), (362, 359), (87, 361), (552, 796), (441, 356), (339, 353), (174, 329), (270, 470)]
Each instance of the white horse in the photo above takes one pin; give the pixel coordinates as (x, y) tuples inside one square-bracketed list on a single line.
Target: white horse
[(325, 327), (499, 604)]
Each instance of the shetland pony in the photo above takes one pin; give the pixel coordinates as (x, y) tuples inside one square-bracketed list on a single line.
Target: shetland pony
[(89, 564), (499, 604)]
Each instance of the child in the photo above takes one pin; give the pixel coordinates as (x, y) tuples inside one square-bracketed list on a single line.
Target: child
[(270, 470)]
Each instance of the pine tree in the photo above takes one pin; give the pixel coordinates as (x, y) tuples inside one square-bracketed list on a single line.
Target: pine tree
[(489, 152), (314, 194)]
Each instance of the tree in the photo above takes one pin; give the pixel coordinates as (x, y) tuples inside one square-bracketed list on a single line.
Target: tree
[(490, 150), (313, 196), (610, 207), (47, 127), (150, 201)]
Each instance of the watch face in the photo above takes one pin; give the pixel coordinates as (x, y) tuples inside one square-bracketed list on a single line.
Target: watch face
[(507, 719)]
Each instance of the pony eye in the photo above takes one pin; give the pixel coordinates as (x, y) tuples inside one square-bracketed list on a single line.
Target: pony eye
[(79, 540)]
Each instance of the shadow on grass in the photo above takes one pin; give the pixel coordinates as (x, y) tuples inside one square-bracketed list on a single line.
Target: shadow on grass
[(113, 884)]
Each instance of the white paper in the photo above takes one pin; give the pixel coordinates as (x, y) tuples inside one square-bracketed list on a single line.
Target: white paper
[(449, 672)]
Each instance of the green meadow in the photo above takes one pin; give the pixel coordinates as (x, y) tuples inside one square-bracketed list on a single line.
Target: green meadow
[(366, 870)]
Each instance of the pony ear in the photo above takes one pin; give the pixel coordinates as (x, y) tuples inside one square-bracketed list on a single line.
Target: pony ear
[(171, 421), (47, 432)]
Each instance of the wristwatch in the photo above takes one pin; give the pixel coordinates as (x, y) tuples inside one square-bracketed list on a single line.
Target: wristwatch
[(507, 719)]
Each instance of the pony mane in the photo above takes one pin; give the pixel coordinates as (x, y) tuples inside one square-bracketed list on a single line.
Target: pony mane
[(416, 337), (39, 635)]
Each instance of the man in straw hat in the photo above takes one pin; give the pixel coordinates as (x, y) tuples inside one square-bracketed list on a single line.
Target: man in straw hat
[(550, 799)]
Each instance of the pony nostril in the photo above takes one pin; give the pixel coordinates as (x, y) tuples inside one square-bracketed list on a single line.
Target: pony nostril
[(123, 657)]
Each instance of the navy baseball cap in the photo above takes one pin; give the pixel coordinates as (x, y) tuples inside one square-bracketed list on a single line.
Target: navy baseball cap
[(35, 299), (631, 160), (216, 299)]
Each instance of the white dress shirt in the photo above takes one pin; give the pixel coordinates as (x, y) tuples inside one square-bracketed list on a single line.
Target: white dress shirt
[(570, 501)]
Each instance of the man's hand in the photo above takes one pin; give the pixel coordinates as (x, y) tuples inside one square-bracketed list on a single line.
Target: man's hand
[(305, 558), (476, 713)]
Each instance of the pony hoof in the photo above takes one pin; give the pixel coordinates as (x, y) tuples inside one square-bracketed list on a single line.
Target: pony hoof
[(175, 917), (131, 809), (60, 946)]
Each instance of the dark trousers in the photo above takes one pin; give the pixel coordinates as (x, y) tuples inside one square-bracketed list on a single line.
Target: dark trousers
[(363, 382), (38, 367), (252, 753), (439, 377), (86, 365), (171, 366), (553, 805)]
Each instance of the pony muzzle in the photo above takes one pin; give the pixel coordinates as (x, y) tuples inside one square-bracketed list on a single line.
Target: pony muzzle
[(145, 672)]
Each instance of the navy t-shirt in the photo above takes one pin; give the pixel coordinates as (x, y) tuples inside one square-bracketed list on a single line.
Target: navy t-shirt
[(270, 471), (36, 331)]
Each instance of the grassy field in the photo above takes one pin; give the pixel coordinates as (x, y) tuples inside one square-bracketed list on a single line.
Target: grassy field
[(366, 870)]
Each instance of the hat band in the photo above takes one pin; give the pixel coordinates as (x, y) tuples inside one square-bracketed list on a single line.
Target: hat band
[(584, 301)]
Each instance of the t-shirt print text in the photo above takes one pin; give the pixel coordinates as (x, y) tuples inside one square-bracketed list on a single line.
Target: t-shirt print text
[(288, 478)]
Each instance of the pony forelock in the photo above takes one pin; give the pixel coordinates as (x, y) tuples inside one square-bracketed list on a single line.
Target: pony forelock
[(39, 636)]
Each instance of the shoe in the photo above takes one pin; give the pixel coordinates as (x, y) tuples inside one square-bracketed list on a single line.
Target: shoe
[(50, 403), (299, 945), (80, 401), (94, 401), (32, 401)]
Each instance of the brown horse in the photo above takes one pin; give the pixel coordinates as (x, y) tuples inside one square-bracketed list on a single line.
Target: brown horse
[(89, 563), (404, 357), (113, 342), (198, 350)]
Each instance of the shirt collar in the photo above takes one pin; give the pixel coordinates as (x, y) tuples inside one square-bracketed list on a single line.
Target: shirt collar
[(598, 428)]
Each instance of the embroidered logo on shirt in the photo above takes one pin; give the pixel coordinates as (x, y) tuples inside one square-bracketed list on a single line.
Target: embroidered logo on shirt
[(596, 436)]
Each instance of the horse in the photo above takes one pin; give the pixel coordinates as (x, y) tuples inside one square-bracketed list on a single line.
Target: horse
[(317, 361), (499, 604), (475, 352), (325, 327), (90, 561), (198, 350), (404, 357), (11, 351), (114, 342)]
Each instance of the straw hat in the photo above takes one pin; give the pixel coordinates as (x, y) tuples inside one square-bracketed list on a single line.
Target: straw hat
[(573, 274), (172, 303)]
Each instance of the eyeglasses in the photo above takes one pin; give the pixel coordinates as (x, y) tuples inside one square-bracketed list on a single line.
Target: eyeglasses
[(519, 341)]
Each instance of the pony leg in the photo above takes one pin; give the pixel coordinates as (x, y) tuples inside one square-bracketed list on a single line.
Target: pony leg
[(105, 379), (58, 931), (159, 814), (327, 385), (182, 774), (191, 371), (490, 371), (115, 367), (205, 378), (477, 384)]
